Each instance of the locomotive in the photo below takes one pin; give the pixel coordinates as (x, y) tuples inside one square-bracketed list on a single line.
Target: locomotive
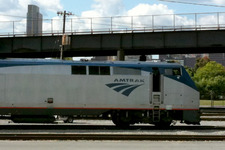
[(34, 90)]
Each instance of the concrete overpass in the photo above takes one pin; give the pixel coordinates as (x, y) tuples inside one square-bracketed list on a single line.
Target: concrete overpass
[(109, 44)]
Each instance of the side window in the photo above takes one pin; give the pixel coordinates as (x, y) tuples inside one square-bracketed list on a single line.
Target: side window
[(93, 70), (104, 71), (78, 70), (99, 70)]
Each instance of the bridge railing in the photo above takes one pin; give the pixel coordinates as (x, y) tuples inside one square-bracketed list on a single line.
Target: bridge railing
[(120, 30), (120, 24)]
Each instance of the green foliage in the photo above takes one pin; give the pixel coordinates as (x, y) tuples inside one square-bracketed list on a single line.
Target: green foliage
[(190, 71), (201, 62), (210, 80), (209, 77)]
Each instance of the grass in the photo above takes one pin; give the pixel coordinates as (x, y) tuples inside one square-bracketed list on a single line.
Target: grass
[(212, 103)]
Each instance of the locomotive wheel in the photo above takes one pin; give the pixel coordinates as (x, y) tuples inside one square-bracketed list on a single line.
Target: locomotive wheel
[(120, 120), (120, 123), (163, 123), (69, 120)]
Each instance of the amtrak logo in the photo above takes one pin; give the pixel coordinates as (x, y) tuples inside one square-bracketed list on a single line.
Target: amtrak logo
[(125, 88)]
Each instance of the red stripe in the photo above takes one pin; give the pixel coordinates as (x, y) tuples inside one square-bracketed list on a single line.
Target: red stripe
[(94, 108), (23, 108)]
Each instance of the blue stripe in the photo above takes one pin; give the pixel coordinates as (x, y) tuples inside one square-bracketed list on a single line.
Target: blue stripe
[(118, 89), (114, 84), (28, 62), (128, 91)]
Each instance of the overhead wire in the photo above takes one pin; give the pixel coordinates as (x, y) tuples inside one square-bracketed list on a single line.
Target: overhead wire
[(191, 3)]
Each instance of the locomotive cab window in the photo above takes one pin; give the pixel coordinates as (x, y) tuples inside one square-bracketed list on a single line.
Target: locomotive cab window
[(78, 70), (173, 72), (176, 72), (99, 70)]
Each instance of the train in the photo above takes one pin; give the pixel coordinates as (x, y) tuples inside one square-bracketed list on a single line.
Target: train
[(36, 90)]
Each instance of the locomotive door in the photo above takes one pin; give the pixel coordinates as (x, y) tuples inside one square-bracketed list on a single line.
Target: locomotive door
[(156, 86), (156, 99)]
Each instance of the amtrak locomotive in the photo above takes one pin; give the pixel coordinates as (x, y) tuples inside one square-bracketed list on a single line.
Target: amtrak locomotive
[(129, 92)]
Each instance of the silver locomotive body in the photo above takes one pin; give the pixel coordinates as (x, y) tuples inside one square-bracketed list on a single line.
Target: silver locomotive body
[(129, 92)]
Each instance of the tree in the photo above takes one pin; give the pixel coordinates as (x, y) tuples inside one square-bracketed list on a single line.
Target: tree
[(190, 71), (210, 80), (201, 62)]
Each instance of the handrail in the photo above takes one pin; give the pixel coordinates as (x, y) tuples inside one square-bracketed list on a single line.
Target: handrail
[(121, 24), (124, 30)]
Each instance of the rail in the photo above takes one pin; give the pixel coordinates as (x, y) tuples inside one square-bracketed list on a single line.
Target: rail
[(111, 137), (141, 30), (119, 24)]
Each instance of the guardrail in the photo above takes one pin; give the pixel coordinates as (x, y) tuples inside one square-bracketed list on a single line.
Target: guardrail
[(120, 24), (116, 31)]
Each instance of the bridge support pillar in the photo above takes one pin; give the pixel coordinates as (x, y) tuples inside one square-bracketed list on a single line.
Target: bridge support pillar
[(120, 55)]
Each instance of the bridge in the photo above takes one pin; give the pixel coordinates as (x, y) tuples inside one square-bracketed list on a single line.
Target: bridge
[(174, 38)]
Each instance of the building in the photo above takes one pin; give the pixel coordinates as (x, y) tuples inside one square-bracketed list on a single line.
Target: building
[(190, 59), (34, 21), (218, 57)]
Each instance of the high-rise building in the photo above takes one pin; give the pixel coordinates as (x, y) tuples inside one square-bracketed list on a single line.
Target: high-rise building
[(34, 21)]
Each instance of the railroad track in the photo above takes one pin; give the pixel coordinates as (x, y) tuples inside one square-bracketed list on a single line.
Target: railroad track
[(111, 137), (72, 127), (213, 119), (212, 110), (213, 116)]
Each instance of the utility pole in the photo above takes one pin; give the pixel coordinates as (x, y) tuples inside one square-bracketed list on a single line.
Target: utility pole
[(64, 14)]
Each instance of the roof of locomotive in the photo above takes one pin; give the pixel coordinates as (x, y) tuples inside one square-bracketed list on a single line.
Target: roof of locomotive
[(136, 64), (126, 64)]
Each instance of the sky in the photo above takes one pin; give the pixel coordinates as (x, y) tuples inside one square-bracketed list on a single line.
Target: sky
[(15, 10), (112, 6), (93, 8)]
